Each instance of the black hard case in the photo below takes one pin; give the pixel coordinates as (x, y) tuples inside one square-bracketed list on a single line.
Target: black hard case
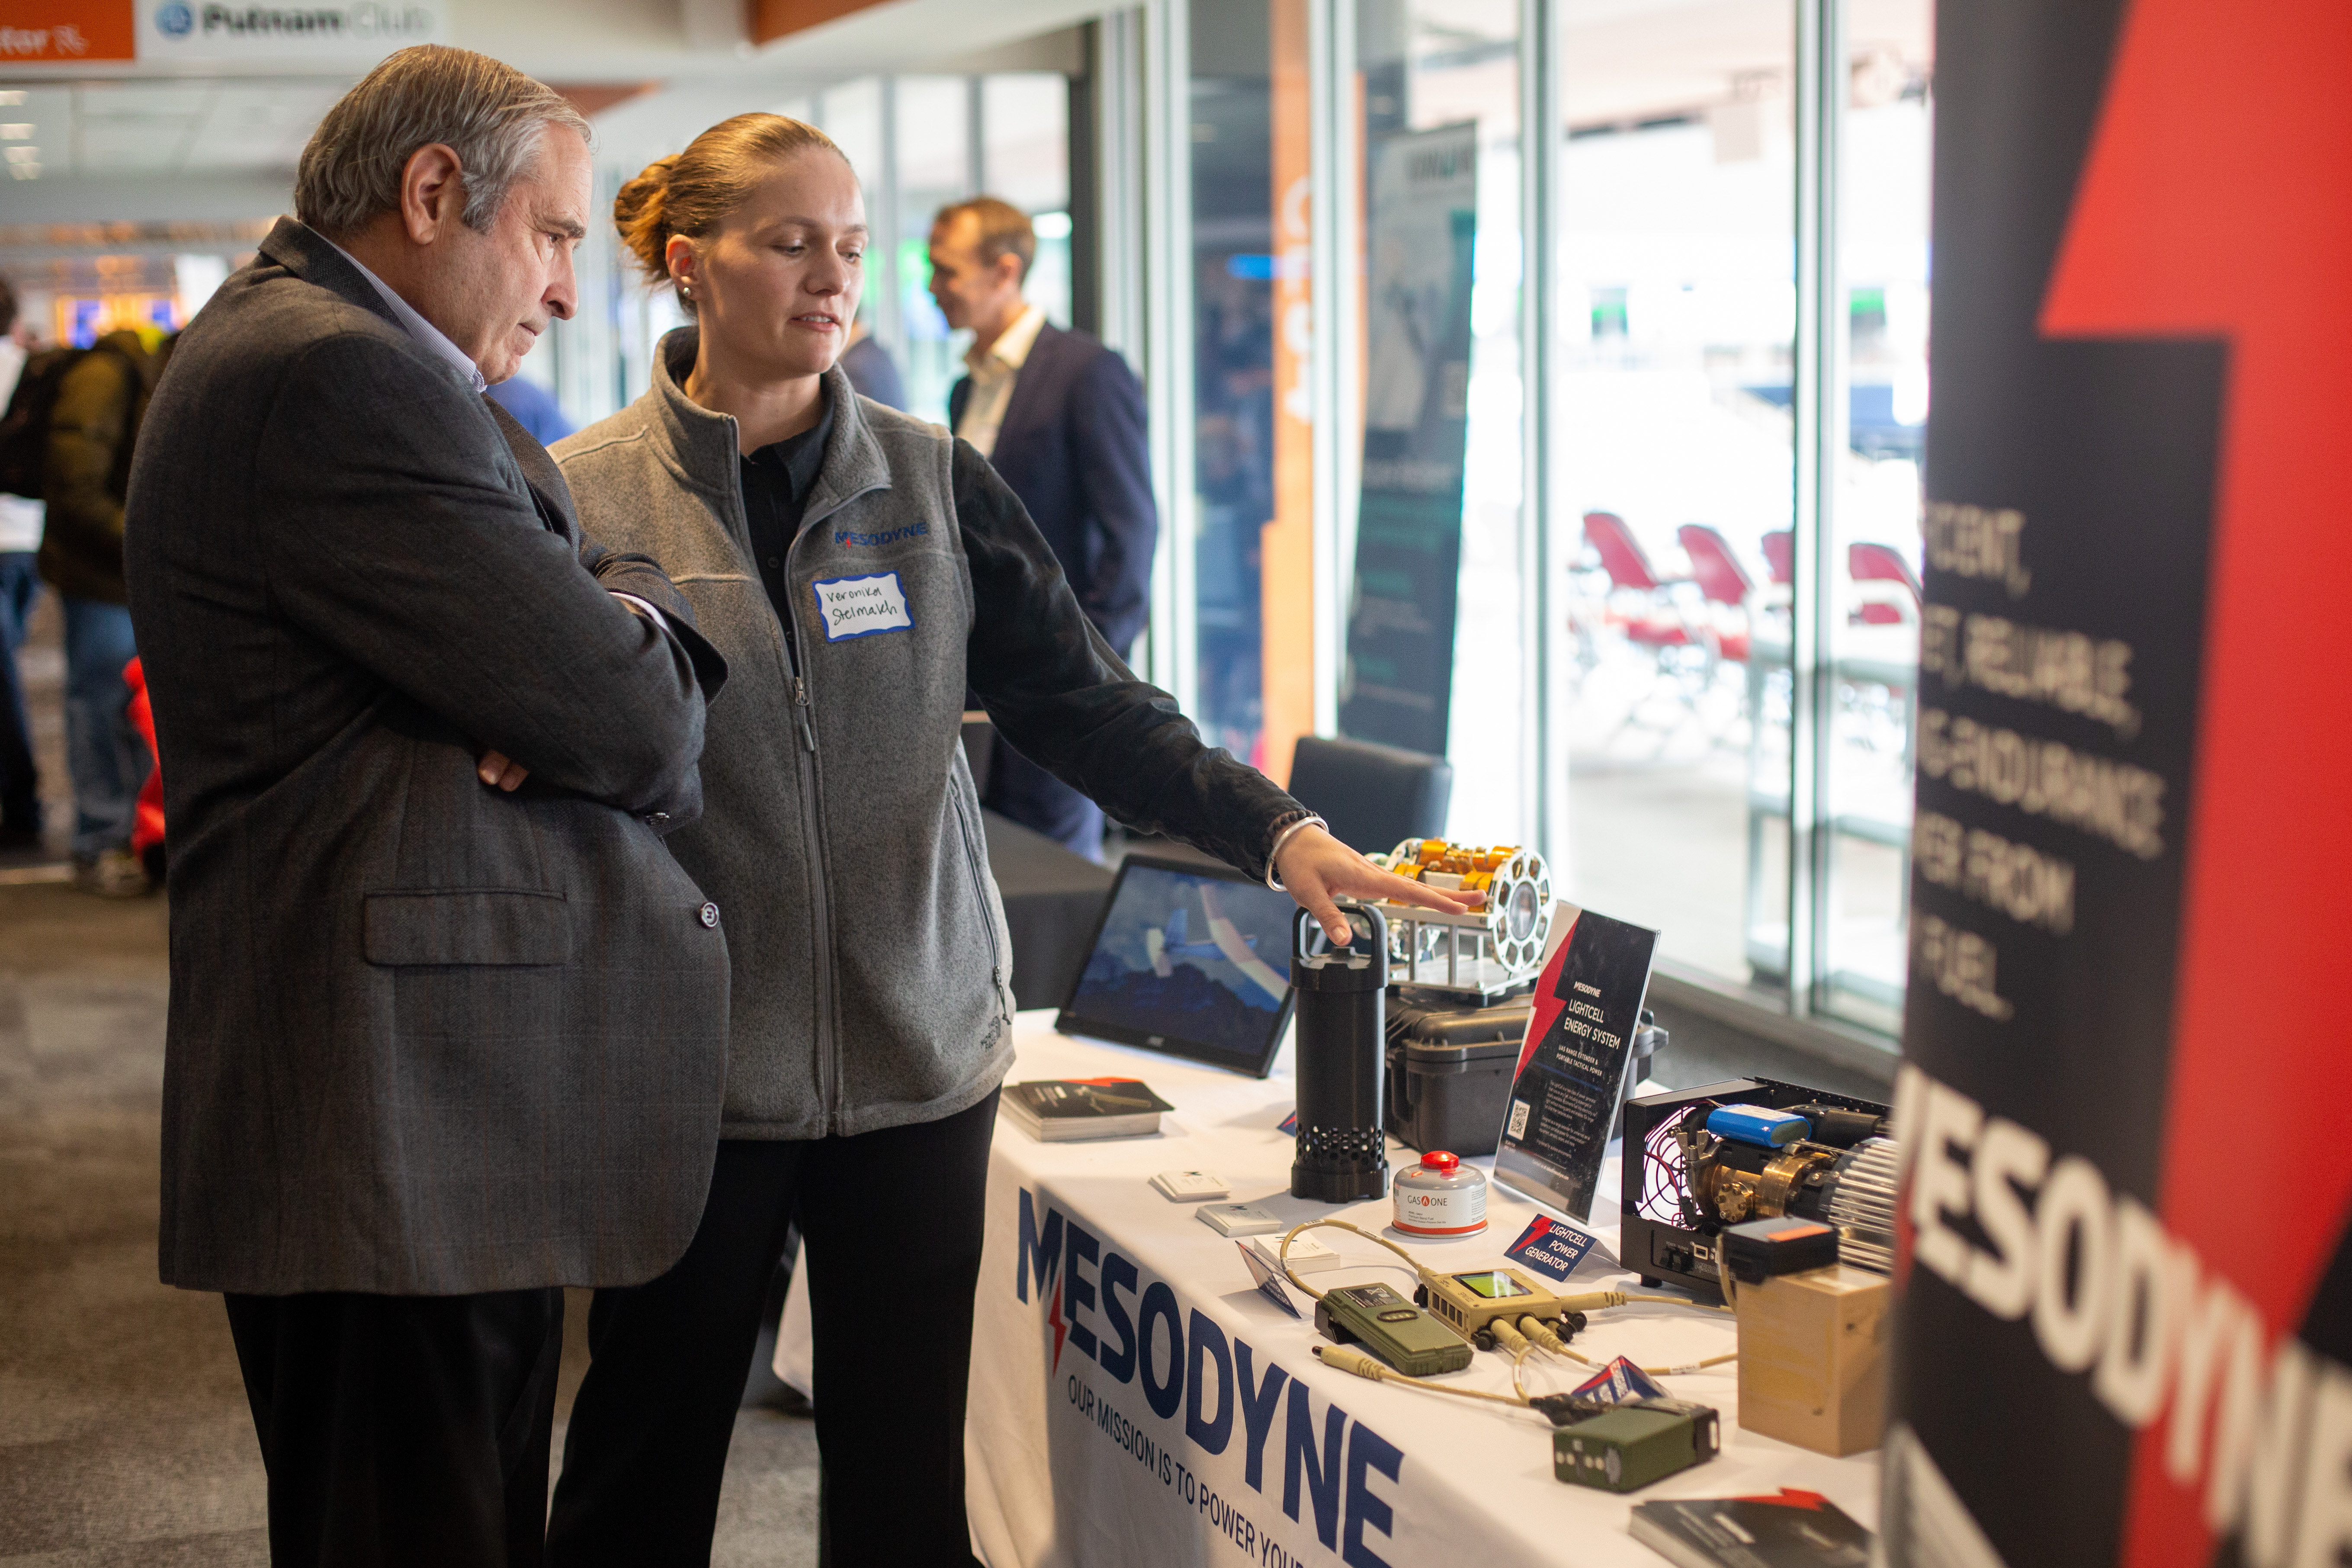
[(1450, 1072)]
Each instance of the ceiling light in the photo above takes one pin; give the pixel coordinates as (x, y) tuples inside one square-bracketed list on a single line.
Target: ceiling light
[(19, 132), (12, 97), (24, 154), (26, 171)]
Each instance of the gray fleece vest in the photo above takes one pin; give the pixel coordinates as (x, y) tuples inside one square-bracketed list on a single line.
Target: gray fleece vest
[(840, 833)]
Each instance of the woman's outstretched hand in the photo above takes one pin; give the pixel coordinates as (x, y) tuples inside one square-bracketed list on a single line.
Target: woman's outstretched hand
[(1315, 867)]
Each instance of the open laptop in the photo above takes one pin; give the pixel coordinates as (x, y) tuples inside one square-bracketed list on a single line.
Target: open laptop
[(1188, 959)]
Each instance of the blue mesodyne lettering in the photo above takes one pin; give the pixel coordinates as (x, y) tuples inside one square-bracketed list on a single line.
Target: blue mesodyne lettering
[(1036, 1251), (1160, 1304), (1298, 1456), (1368, 1450), (1209, 1342), (1119, 1361), (1078, 1293), (850, 536), (1259, 1401), (1208, 1376)]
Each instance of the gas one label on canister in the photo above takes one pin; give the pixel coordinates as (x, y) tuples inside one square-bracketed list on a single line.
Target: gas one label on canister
[(1440, 1198)]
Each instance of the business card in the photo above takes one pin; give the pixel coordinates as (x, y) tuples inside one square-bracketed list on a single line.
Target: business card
[(1269, 1283), (1618, 1381)]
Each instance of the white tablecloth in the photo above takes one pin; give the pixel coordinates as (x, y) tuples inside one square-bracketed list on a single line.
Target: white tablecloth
[(1071, 1463)]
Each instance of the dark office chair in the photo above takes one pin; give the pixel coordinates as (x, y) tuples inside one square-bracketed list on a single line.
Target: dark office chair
[(1373, 796)]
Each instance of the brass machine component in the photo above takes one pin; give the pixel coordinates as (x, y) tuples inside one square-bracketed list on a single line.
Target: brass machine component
[(1740, 1195), (1851, 1188)]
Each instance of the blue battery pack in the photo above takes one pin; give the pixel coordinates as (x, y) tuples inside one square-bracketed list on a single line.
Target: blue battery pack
[(1754, 1124)]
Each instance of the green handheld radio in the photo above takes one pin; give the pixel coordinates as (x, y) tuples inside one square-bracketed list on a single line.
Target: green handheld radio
[(1391, 1327)]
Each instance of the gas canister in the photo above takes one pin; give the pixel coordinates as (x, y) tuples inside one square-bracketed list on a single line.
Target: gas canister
[(1440, 1198)]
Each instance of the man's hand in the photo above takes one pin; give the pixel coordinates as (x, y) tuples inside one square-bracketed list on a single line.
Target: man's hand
[(1314, 866), (499, 772)]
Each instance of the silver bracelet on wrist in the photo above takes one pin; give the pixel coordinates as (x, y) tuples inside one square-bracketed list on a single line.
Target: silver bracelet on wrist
[(1273, 877)]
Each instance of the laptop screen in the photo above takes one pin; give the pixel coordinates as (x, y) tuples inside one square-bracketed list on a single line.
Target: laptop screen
[(1190, 960)]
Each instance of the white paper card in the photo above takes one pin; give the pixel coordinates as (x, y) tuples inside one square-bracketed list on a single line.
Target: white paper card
[(863, 606), (1190, 1186)]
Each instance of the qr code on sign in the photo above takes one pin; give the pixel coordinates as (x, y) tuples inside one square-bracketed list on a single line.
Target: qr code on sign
[(1519, 1118)]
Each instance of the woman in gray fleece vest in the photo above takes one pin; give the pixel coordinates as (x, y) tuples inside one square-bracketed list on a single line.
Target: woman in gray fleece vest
[(859, 569)]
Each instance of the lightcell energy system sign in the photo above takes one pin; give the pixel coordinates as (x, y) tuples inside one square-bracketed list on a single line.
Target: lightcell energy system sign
[(1398, 684), (2125, 1334)]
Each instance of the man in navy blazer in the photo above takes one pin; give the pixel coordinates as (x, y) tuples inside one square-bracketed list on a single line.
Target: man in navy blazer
[(1061, 416)]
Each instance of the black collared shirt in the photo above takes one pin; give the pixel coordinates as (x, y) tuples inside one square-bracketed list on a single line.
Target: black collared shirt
[(777, 479)]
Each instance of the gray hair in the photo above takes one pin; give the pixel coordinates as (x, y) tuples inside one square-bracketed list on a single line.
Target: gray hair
[(487, 111)]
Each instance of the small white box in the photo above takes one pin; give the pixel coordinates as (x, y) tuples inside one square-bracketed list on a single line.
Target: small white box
[(1308, 1256), (1238, 1219), (1190, 1186)]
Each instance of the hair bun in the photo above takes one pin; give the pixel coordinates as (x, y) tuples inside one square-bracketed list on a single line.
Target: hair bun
[(642, 213)]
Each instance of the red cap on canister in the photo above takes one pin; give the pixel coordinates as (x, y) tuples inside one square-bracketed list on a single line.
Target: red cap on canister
[(1439, 1160)]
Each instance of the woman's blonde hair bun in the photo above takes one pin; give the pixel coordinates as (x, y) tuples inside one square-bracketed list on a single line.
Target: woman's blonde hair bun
[(691, 193)]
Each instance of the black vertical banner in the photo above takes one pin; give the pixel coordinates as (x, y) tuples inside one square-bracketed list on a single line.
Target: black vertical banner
[(1421, 240), (2126, 1059), (2070, 497)]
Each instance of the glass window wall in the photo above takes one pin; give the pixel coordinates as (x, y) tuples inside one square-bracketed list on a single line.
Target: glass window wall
[(1439, 79), (1678, 310), (1234, 261), (1873, 621)]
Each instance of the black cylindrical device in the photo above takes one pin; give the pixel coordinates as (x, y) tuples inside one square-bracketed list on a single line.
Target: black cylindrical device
[(1342, 1049)]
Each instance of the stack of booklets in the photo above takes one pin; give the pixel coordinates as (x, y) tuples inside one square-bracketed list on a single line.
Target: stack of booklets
[(1793, 1529), (1056, 1109)]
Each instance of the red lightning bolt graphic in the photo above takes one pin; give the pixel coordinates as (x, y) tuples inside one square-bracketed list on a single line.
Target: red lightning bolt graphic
[(1052, 1292), (2217, 203)]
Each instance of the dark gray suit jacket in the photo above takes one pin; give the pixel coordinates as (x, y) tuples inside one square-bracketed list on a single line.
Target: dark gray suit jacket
[(425, 1038)]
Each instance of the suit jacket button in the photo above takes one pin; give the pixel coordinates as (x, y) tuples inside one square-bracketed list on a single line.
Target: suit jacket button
[(710, 917)]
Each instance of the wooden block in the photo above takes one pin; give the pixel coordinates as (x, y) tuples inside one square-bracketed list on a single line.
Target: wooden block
[(1812, 1358)]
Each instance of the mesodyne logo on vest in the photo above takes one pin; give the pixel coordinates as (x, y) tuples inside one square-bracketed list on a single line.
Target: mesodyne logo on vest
[(1209, 1399), (868, 541), (174, 20)]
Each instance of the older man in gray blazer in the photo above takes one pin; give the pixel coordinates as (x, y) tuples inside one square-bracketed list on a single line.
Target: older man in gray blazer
[(446, 1022)]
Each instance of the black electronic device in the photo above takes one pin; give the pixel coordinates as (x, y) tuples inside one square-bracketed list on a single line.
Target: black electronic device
[(1342, 1149), (1683, 1184), (1190, 959), (1761, 1249)]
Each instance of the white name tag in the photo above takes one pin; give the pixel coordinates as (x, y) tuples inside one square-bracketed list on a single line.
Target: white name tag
[(862, 606)]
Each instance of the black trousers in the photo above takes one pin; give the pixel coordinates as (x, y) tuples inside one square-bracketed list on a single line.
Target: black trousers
[(1020, 789), (892, 1225), (402, 1430)]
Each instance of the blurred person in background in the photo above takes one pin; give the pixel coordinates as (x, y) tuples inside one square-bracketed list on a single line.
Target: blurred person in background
[(85, 476), (1061, 418), (20, 585), (870, 368), (534, 408)]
